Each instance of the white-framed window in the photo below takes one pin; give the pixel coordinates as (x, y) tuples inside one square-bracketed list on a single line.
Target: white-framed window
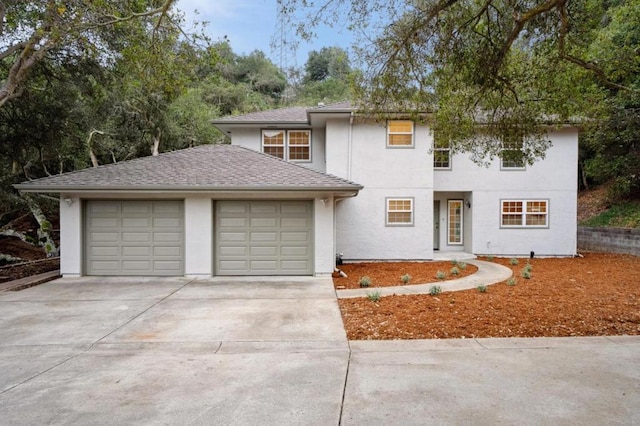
[(524, 213), (441, 154), (290, 145), (400, 134), (455, 223), (512, 156), (399, 212)]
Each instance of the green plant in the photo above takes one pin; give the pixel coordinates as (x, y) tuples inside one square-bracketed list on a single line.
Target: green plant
[(374, 297), (512, 281), (525, 273), (455, 271), (513, 261), (435, 290), (365, 282), (482, 288), (454, 262), (462, 266), (405, 278), (441, 275), (490, 258), (528, 267)]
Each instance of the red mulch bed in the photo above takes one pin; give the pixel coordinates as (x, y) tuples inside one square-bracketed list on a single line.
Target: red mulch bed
[(387, 274), (597, 295)]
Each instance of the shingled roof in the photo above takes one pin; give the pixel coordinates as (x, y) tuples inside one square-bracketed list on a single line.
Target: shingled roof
[(203, 168), (291, 115)]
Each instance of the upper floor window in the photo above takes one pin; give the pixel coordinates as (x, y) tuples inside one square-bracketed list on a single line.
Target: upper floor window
[(399, 211), (400, 133), (291, 145), (512, 155), (524, 213), (441, 153)]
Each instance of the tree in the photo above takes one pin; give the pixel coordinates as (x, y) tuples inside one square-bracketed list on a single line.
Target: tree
[(513, 67), (329, 62), (30, 31)]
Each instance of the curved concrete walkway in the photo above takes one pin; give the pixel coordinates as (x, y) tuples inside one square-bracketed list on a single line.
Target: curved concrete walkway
[(488, 273)]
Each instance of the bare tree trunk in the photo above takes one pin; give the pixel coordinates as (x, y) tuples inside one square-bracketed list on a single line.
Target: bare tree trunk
[(44, 230), (92, 155), (583, 175), (156, 143)]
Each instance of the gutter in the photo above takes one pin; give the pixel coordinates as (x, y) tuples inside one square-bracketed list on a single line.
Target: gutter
[(185, 188)]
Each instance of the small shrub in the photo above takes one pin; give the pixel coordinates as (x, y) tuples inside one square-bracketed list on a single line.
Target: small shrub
[(462, 266), (454, 262), (406, 278), (490, 258), (512, 281), (528, 267), (455, 271), (526, 273), (365, 282), (482, 288), (435, 290), (374, 297), (441, 275), (513, 261)]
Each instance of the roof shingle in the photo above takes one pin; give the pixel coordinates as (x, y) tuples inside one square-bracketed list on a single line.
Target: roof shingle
[(205, 167)]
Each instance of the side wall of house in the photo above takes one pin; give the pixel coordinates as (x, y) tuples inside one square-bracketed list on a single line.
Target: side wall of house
[(553, 179), (361, 155), (252, 138)]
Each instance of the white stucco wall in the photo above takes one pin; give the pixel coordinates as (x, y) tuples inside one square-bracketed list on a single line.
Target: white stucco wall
[(554, 179), (252, 138), (198, 236), (71, 236), (362, 232), (198, 228)]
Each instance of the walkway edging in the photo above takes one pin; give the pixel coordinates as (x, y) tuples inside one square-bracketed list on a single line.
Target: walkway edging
[(488, 273)]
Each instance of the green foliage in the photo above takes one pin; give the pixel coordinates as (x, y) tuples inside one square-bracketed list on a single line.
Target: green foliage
[(462, 265), (513, 261), (482, 288), (455, 271), (525, 273), (365, 281), (512, 281), (623, 215), (441, 275), (435, 290), (490, 257), (374, 296), (405, 278)]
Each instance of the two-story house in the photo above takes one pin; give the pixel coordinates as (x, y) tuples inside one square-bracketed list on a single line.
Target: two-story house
[(298, 185)]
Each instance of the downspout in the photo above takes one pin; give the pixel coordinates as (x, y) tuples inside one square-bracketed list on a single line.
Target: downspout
[(349, 146)]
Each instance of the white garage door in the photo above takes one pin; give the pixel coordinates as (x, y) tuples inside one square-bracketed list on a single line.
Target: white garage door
[(264, 238), (134, 238)]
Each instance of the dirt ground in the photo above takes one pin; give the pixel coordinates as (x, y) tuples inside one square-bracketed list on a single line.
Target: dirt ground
[(27, 252), (596, 295), (387, 274)]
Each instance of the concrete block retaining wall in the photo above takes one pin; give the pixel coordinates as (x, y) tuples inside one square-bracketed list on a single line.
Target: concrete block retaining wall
[(614, 240)]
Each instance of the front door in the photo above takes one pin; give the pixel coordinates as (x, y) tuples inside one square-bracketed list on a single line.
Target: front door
[(436, 225)]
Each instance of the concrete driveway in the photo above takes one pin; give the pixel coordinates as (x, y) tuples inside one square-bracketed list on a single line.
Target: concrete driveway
[(179, 351)]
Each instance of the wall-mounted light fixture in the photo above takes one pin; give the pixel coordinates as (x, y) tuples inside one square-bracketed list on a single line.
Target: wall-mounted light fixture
[(68, 200), (324, 201), (467, 203)]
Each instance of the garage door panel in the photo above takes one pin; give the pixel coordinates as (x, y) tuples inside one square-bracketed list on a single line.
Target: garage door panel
[(103, 237), (134, 237), (136, 222), (258, 238), (136, 207)]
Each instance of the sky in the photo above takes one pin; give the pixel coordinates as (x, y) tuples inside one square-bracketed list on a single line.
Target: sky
[(251, 24)]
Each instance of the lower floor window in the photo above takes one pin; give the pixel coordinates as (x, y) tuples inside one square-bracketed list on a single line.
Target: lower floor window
[(399, 211), (524, 213)]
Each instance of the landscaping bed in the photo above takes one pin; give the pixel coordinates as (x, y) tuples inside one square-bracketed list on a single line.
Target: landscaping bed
[(388, 274), (596, 295)]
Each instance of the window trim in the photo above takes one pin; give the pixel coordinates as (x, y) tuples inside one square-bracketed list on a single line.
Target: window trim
[(387, 211), (286, 146), (461, 242), (524, 213), (413, 132), (447, 150)]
